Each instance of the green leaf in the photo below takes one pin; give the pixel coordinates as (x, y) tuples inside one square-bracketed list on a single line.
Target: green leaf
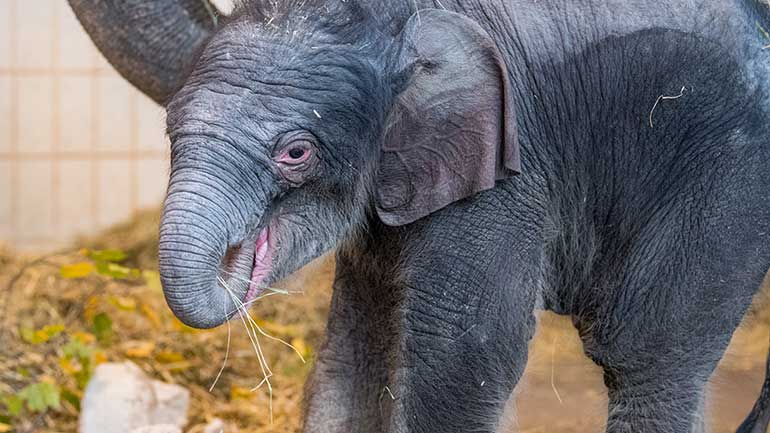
[(13, 404), (77, 270), (102, 328), (111, 255), (76, 349), (84, 357), (41, 396), (71, 398), (116, 271)]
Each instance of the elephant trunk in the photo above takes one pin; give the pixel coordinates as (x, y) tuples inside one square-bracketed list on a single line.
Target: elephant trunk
[(153, 44), (208, 233)]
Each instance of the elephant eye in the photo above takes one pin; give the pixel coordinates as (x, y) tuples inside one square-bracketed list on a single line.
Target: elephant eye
[(296, 156), (295, 153)]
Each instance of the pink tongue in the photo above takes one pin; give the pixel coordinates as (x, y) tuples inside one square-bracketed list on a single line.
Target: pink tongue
[(262, 261)]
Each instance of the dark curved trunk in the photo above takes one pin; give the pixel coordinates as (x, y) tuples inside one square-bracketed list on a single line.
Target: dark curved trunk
[(153, 44), (189, 256), (208, 214)]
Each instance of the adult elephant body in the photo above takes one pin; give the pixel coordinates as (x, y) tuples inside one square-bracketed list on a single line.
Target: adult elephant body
[(394, 130)]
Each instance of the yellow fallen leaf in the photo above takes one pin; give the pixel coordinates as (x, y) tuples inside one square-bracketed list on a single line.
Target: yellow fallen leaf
[(4, 428), (152, 280), (181, 327), (111, 255), (139, 349), (301, 346), (91, 307), (114, 270), (169, 356), (69, 367), (84, 337), (240, 393), (178, 366), (77, 270), (151, 315), (100, 357), (41, 335), (124, 303)]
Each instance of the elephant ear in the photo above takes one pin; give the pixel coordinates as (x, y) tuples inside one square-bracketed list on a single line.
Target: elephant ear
[(451, 130), (152, 43)]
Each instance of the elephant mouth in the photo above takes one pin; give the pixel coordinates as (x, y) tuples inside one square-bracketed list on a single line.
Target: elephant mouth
[(248, 266), (263, 260)]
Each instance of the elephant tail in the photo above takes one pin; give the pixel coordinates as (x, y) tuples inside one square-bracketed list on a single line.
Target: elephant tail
[(759, 418)]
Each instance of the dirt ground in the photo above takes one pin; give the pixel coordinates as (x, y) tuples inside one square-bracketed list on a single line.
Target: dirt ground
[(562, 391)]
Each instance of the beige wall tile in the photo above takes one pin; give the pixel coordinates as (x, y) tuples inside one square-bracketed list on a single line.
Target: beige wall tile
[(5, 113), (76, 51), (76, 117), (151, 133), (152, 179), (35, 213), (101, 63), (95, 187), (114, 192), (35, 112), (6, 230), (34, 19), (5, 34), (75, 198), (114, 114)]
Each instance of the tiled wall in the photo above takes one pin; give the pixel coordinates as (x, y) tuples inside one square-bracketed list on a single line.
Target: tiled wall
[(80, 149)]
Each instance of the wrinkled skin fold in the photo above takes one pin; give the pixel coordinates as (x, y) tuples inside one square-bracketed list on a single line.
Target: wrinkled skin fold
[(471, 161)]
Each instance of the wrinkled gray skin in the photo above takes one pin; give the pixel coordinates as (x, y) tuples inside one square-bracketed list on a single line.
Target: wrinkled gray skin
[(650, 228)]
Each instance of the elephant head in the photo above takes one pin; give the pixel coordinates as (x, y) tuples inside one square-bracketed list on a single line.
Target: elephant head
[(294, 126)]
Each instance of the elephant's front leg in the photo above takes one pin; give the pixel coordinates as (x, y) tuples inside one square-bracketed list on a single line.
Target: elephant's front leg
[(348, 383), (465, 321), (428, 331)]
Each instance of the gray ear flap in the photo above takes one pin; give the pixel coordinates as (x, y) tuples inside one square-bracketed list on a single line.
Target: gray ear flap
[(451, 131)]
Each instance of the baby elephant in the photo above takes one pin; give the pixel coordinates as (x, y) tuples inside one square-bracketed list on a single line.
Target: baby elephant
[(471, 161)]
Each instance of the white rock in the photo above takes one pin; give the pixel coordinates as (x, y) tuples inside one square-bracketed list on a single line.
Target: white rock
[(120, 398), (159, 428)]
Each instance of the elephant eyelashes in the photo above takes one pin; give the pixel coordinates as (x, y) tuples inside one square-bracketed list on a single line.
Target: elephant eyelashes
[(296, 156)]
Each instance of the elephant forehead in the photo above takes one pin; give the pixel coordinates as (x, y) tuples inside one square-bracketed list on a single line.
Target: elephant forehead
[(276, 67), (269, 99)]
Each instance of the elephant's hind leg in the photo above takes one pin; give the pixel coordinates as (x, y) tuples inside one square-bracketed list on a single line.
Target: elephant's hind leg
[(668, 316), (662, 406)]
